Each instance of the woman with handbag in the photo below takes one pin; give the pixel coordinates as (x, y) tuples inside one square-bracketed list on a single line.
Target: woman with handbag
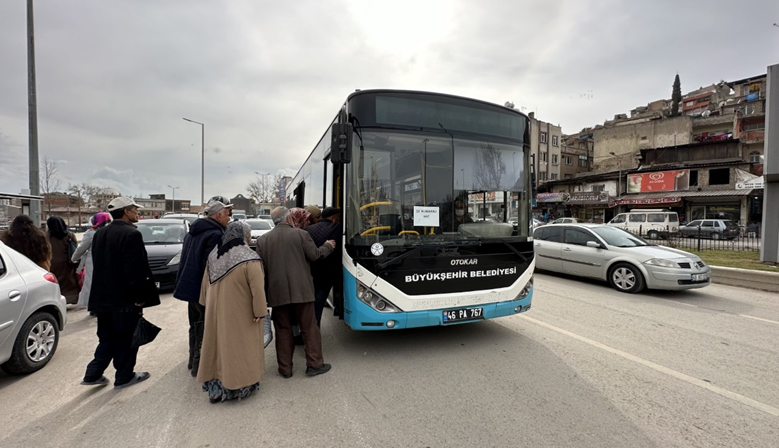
[(83, 254), (232, 358), (63, 245)]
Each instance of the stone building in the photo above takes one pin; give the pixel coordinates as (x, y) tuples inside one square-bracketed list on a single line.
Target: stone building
[(545, 146)]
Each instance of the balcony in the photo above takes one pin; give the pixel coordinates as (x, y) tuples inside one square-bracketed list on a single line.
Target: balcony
[(753, 136)]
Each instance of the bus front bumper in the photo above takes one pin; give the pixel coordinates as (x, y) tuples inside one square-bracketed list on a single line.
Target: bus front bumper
[(363, 317)]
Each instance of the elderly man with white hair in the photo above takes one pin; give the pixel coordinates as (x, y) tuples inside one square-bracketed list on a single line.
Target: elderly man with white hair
[(287, 253)]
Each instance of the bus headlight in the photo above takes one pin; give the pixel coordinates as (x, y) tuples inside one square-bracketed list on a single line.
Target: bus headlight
[(526, 290), (374, 300)]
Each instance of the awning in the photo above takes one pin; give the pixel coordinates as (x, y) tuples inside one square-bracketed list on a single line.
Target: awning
[(688, 194)]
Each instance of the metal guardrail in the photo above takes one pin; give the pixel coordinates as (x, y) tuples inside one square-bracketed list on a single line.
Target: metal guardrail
[(746, 240)]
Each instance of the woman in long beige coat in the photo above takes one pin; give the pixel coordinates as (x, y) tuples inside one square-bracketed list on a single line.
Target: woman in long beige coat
[(232, 358)]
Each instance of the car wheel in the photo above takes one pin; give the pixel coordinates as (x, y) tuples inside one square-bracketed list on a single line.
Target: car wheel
[(652, 235), (34, 346), (625, 277), (716, 236)]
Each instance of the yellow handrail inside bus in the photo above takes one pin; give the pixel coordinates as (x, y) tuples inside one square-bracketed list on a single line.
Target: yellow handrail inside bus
[(375, 204), (373, 230), (410, 232)]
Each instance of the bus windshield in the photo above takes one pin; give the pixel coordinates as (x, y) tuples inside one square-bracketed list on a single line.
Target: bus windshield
[(422, 186)]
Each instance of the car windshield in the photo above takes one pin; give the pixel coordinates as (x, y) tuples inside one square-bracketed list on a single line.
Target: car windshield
[(422, 186), (259, 225), (618, 237), (162, 233)]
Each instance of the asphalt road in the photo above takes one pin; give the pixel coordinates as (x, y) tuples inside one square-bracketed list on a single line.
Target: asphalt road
[(586, 367)]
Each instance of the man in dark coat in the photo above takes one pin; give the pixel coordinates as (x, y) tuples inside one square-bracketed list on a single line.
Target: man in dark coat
[(287, 252), (204, 235), (326, 270), (122, 285)]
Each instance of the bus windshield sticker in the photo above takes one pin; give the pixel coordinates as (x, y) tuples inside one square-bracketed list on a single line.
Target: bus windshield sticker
[(427, 216)]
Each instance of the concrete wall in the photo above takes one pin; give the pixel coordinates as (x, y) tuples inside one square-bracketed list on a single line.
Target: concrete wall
[(628, 140), (548, 147)]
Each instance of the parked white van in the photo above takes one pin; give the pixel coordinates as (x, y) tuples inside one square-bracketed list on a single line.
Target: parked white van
[(652, 223)]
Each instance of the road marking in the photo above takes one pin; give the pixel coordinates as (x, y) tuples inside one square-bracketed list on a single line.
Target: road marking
[(760, 319), (662, 369)]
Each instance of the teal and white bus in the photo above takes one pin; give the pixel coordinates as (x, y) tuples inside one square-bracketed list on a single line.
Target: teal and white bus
[(435, 196)]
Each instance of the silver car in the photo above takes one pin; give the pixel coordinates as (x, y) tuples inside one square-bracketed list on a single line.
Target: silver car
[(32, 313), (259, 228), (626, 261)]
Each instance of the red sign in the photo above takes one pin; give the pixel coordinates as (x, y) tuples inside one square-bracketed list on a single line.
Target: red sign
[(659, 181)]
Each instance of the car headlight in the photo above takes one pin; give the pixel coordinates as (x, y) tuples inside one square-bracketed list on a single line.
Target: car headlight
[(374, 300), (662, 263), (175, 260)]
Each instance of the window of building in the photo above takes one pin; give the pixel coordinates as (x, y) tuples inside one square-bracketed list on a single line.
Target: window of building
[(553, 176), (554, 140), (689, 103), (753, 127), (569, 176), (554, 159), (568, 160), (598, 188), (749, 109), (719, 176), (543, 137), (754, 157), (583, 161), (542, 175), (543, 157), (693, 178)]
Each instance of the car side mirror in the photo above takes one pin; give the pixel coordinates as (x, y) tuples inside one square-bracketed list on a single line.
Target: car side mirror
[(595, 245)]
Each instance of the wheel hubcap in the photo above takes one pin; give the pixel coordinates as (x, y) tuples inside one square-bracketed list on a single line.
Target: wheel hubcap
[(40, 341), (624, 278)]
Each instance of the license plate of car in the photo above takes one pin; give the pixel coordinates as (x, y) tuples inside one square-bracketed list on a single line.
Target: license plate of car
[(699, 277), (157, 284), (463, 315)]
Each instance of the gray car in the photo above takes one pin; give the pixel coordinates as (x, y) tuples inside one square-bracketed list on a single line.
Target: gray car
[(715, 229), (626, 261), (32, 313)]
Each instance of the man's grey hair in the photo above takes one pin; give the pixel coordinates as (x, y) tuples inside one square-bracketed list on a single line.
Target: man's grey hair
[(279, 214)]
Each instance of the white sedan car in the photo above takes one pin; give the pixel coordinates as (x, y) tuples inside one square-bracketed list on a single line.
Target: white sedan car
[(32, 313), (626, 261), (259, 228)]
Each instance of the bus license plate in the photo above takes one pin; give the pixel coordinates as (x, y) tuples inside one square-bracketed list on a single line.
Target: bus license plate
[(699, 277), (462, 315)]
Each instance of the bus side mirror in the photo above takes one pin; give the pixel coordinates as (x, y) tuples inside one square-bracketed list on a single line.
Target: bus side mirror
[(341, 144)]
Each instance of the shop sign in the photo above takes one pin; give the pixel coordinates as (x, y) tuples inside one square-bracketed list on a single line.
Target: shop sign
[(659, 181), (490, 195), (597, 197), (667, 200), (552, 197), (752, 184)]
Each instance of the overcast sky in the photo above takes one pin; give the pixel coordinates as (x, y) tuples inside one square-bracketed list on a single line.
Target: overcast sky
[(116, 77)]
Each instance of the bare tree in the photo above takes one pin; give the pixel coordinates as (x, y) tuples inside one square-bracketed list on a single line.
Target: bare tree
[(264, 189), (90, 191), (489, 167), (50, 182)]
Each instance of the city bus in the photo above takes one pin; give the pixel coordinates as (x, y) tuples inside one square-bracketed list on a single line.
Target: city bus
[(435, 197)]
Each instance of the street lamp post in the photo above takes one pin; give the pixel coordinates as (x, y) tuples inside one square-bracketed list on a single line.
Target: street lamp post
[(173, 206), (202, 159)]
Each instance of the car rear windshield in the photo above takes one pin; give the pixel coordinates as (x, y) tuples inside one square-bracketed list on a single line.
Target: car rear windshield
[(259, 225), (730, 225)]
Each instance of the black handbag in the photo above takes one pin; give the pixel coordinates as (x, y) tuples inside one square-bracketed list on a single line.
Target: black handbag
[(145, 332)]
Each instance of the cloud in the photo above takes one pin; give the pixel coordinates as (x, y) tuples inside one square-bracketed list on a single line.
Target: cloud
[(115, 78)]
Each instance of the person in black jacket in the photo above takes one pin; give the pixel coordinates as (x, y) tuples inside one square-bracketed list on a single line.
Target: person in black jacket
[(204, 235), (122, 286), (325, 271)]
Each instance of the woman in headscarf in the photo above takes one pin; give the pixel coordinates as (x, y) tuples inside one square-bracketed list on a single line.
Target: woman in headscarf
[(84, 254), (298, 218), (65, 271), (28, 240), (232, 358)]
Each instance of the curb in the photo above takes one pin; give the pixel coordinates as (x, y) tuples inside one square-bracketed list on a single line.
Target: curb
[(745, 278)]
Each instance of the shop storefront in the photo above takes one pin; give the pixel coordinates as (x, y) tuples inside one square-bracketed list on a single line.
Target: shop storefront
[(552, 205), (690, 205), (591, 206)]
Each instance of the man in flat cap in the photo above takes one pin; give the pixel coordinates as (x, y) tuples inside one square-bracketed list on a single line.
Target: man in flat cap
[(204, 234)]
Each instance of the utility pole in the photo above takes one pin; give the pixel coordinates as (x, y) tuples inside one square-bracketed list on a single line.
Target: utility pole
[(32, 101)]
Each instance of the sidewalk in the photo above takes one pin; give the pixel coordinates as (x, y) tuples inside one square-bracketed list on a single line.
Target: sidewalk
[(746, 278)]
